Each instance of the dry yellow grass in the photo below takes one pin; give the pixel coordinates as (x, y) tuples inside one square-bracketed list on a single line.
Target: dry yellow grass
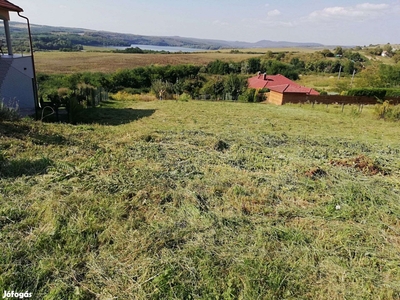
[(107, 62), (282, 49)]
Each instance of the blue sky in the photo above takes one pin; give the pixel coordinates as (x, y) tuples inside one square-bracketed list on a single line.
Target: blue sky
[(339, 22)]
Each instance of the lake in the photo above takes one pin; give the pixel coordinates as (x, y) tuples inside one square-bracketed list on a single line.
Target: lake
[(163, 48)]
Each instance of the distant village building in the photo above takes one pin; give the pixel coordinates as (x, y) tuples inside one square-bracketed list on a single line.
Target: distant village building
[(281, 89), (17, 71)]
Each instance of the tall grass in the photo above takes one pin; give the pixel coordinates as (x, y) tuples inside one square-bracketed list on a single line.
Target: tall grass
[(9, 110), (72, 62), (387, 111), (202, 200)]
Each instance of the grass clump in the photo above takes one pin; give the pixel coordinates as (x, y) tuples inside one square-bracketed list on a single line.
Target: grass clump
[(184, 97), (125, 96), (387, 111), (164, 204), (9, 111)]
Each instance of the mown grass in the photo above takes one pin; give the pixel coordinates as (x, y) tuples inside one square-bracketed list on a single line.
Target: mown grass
[(202, 200)]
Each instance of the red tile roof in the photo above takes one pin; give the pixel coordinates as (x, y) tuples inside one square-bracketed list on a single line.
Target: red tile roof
[(258, 81), (279, 83), (293, 89), (4, 4)]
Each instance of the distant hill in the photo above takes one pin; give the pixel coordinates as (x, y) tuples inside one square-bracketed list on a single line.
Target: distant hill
[(53, 38)]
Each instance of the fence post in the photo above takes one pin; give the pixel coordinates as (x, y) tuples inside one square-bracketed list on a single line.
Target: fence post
[(93, 97), (342, 107)]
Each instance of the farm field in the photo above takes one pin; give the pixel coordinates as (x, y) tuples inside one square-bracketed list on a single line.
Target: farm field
[(57, 62), (202, 200)]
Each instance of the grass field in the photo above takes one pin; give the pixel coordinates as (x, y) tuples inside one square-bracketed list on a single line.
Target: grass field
[(97, 59), (202, 200), (56, 62)]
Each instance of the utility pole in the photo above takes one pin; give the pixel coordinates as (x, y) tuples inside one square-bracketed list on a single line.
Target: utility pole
[(352, 77), (340, 70)]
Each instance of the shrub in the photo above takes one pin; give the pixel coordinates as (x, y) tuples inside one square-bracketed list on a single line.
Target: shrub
[(264, 90), (393, 93), (368, 92), (74, 109), (184, 97), (63, 92), (379, 93), (10, 111), (124, 96), (387, 111), (136, 91), (248, 96)]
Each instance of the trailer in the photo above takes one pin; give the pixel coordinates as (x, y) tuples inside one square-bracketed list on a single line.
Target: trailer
[(18, 86)]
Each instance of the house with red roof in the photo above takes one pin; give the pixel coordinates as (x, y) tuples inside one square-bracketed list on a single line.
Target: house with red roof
[(17, 71), (281, 89)]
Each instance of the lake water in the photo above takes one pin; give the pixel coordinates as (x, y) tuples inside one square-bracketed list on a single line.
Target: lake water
[(163, 48)]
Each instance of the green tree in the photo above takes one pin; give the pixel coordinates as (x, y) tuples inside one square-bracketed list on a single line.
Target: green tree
[(214, 87), (348, 67), (396, 57), (389, 75), (298, 64), (274, 67), (376, 51), (370, 76), (177, 87), (354, 56), (388, 48), (254, 64), (234, 85), (218, 67), (161, 88), (338, 51), (269, 54), (327, 53), (245, 67)]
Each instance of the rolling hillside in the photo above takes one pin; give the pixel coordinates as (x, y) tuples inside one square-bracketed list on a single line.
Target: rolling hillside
[(48, 35)]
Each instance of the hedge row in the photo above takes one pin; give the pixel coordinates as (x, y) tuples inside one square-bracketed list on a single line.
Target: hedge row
[(379, 93)]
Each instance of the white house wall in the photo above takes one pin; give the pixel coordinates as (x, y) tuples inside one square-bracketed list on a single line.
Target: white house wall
[(17, 83)]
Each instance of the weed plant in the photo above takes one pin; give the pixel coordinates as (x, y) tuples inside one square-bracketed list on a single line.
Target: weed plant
[(202, 200), (9, 111), (387, 111)]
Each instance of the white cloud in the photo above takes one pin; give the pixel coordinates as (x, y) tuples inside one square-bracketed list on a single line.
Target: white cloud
[(273, 13), (373, 7), (360, 12)]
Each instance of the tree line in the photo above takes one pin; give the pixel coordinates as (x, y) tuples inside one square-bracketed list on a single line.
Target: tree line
[(62, 41), (218, 78), (173, 79)]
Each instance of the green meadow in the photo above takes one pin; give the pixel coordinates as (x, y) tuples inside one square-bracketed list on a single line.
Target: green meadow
[(202, 200)]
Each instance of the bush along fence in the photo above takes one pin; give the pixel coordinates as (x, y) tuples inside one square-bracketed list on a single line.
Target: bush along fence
[(66, 105), (362, 100), (361, 96)]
